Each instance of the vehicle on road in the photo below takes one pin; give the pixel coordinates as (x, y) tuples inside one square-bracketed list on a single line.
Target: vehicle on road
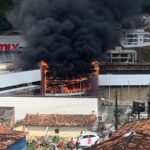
[(87, 140)]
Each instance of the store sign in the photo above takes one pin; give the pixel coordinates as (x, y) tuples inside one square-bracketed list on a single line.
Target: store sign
[(10, 47)]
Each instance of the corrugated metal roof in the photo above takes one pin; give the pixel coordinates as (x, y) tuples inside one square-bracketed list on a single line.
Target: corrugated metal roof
[(124, 80), (18, 78)]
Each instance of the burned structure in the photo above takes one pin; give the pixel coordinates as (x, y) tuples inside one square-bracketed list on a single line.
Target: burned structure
[(60, 85), (69, 35)]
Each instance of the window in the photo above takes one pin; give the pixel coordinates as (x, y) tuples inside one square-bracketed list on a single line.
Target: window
[(146, 40), (115, 55), (132, 35), (132, 40), (86, 136), (56, 131), (92, 136), (147, 36), (124, 55)]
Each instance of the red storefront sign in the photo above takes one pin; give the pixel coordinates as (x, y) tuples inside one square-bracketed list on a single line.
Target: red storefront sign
[(9, 47)]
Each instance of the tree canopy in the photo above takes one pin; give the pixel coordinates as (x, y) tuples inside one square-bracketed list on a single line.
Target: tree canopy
[(5, 5)]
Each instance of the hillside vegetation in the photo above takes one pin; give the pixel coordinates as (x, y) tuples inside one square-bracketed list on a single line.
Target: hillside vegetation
[(5, 5), (146, 6)]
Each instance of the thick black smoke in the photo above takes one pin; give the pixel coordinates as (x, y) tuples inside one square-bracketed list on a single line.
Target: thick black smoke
[(69, 32)]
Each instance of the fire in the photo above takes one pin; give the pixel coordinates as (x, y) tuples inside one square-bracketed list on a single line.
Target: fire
[(95, 64), (44, 70), (68, 86), (43, 63), (50, 85)]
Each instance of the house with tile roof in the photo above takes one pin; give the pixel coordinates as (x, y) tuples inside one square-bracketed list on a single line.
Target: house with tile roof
[(12, 140), (132, 136), (66, 126)]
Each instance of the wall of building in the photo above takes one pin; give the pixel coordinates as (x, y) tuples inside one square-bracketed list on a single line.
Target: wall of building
[(126, 95), (12, 43), (48, 105), (66, 132)]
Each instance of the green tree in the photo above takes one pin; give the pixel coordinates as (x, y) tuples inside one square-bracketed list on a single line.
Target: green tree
[(5, 5), (146, 6)]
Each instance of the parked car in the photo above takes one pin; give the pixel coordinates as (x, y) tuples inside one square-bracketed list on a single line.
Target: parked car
[(87, 140)]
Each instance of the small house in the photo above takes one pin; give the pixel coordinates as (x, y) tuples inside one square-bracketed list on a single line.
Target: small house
[(67, 126)]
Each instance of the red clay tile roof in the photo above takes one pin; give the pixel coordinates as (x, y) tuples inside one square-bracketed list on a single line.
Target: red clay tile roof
[(137, 126), (59, 120), (9, 137), (134, 142), (139, 141)]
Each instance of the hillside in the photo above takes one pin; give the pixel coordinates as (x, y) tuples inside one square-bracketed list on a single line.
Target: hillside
[(5, 5), (146, 6)]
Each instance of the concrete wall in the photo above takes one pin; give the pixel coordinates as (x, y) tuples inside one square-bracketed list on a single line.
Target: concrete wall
[(48, 105), (126, 95), (66, 132)]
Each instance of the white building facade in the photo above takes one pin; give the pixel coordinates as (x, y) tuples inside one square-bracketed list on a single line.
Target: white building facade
[(135, 38), (120, 55)]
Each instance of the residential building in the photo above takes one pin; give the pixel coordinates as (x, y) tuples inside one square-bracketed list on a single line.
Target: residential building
[(12, 140), (138, 126), (66, 126), (133, 135), (120, 55), (135, 38)]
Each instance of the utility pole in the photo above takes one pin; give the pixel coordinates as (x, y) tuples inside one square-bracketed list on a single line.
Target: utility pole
[(100, 119), (116, 111)]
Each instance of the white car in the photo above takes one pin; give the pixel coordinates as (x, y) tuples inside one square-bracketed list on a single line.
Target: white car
[(87, 140)]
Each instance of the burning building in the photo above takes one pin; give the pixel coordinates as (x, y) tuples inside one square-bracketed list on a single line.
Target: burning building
[(61, 85), (68, 35)]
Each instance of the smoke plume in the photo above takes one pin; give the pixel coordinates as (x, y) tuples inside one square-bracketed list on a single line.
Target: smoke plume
[(69, 32)]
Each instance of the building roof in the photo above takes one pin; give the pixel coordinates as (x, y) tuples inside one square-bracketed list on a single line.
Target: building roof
[(131, 136), (139, 141), (12, 32), (124, 79), (9, 137), (59, 120), (142, 126)]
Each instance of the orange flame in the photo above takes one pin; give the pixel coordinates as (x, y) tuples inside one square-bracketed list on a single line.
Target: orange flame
[(44, 81), (81, 84), (43, 63), (96, 67)]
